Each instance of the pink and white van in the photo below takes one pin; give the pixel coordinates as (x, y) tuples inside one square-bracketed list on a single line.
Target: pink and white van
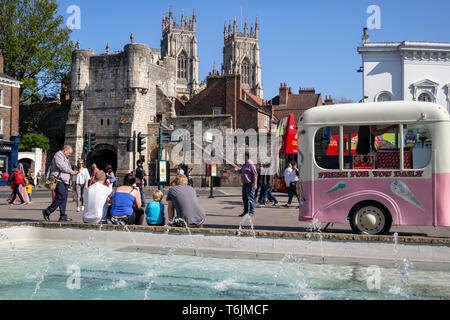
[(392, 168)]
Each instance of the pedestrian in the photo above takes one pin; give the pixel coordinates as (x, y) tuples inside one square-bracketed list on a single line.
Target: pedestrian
[(126, 202), (73, 187), (110, 176), (62, 170), (291, 177), (31, 177), (184, 210), (249, 179), (94, 171), (268, 185), (17, 180), (154, 212), (140, 180), (38, 178), (259, 184), (81, 184), (180, 170), (96, 199), (30, 190)]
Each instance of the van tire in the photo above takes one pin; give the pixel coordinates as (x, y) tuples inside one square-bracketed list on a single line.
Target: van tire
[(370, 218)]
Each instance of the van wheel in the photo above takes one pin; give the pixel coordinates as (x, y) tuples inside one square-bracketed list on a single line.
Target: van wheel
[(370, 218)]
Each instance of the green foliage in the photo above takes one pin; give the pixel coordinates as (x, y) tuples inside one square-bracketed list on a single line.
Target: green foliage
[(36, 45), (34, 140)]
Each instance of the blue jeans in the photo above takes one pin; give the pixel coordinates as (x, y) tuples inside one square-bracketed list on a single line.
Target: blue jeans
[(141, 188), (61, 192), (269, 196), (248, 196)]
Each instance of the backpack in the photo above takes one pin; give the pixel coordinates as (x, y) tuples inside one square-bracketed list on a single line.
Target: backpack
[(18, 177)]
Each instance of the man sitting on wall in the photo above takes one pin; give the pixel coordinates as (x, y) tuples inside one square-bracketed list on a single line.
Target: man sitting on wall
[(96, 199)]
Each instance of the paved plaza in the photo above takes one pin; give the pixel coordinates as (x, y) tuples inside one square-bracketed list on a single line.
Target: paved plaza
[(222, 213)]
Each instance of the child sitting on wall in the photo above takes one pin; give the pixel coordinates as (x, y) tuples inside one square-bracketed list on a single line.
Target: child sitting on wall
[(155, 210)]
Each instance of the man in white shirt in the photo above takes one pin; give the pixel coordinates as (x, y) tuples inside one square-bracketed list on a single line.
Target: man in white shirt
[(95, 200), (291, 178)]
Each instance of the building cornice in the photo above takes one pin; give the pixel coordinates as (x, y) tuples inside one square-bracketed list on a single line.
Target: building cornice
[(10, 82), (411, 50)]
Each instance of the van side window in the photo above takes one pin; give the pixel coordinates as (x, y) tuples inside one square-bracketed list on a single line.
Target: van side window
[(326, 148), (418, 142)]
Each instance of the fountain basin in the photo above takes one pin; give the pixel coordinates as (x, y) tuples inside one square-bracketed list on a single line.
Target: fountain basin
[(216, 264)]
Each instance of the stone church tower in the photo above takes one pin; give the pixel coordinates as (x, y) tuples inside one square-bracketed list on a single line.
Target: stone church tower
[(180, 42), (241, 55)]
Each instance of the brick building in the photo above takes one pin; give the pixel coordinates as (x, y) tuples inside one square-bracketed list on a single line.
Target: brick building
[(9, 120), (224, 95), (287, 103)]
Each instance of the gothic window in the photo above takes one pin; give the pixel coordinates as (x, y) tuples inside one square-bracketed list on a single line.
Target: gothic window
[(182, 66), (245, 72), (424, 97)]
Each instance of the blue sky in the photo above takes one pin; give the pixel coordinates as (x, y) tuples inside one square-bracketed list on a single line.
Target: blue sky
[(309, 44)]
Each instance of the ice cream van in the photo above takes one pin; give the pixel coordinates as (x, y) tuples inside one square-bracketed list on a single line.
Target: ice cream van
[(392, 166)]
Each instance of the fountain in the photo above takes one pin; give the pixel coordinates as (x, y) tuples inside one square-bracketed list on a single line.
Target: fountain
[(112, 269)]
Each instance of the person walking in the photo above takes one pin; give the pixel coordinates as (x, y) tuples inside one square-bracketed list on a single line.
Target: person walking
[(291, 177), (17, 180), (249, 179), (268, 181), (94, 171), (38, 178), (140, 179), (62, 171), (81, 184), (30, 190), (74, 184), (110, 176)]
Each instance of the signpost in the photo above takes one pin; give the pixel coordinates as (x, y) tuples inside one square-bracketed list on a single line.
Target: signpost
[(213, 173)]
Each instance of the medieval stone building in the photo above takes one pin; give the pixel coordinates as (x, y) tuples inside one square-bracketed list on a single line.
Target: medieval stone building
[(116, 95), (180, 42), (241, 54)]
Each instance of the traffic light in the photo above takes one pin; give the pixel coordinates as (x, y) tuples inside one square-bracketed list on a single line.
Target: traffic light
[(92, 141), (140, 143), (130, 145), (86, 143)]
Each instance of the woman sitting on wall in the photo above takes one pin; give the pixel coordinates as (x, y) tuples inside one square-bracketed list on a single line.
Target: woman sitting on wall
[(126, 203)]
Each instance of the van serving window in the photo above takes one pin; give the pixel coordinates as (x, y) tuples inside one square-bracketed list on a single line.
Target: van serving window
[(326, 148)]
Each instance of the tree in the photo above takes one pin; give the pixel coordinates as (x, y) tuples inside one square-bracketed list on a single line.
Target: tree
[(34, 140), (35, 44), (343, 100)]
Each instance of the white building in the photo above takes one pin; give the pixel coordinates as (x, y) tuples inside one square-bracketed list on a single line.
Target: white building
[(408, 70)]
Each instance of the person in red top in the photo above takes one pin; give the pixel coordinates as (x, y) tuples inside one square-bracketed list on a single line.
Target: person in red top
[(17, 181)]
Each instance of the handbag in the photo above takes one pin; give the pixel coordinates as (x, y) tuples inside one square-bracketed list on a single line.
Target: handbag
[(51, 182)]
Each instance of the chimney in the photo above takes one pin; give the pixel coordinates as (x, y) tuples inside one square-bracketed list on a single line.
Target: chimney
[(328, 100), (283, 94), (2, 70), (365, 37)]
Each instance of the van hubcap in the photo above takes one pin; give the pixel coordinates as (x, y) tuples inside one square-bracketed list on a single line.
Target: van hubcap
[(370, 220)]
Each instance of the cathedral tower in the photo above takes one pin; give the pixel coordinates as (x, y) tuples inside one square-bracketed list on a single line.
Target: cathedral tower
[(241, 55), (180, 42)]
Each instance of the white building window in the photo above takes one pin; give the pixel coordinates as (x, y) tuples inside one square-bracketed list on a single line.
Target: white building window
[(216, 111), (1, 97), (1, 127), (384, 96)]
